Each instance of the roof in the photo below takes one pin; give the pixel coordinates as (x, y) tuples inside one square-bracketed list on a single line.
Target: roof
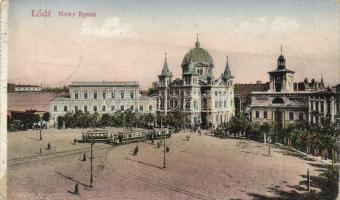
[(281, 70), (165, 70), (227, 72), (35, 86), (191, 69), (247, 89), (198, 55), (61, 98), (19, 101), (105, 84)]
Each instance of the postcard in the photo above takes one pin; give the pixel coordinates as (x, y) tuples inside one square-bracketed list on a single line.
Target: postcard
[(181, 99)]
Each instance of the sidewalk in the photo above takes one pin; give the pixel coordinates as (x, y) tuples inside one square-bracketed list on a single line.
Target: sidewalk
[(329, 162)]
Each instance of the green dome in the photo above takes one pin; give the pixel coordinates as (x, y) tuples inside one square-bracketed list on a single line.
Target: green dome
[(198, 55)]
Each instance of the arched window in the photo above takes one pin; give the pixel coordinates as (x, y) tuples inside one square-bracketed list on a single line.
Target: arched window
[(278, 100)]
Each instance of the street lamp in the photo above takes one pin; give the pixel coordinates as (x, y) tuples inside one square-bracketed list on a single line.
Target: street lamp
[(40, 127), (163, 137), (91, 158)]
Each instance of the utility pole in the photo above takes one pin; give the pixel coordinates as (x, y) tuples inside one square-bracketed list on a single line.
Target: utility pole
[(91, 158), (40, 129), (308, 180), (163, 137)]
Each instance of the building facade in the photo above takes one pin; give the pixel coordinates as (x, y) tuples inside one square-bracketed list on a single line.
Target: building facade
[(27, 88), (286, 101), (204, 100), (101, 97)]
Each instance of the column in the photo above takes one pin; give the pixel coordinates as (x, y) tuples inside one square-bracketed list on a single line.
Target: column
[(332, 111)]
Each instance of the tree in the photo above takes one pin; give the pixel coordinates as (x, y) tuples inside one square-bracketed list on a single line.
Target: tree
[(60, 121), (46, 116), (105, 120)]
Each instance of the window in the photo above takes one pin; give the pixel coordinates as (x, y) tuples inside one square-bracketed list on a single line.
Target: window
[(103, 108), (113, 95), (94, 108), (85, 95), (291, 116), (278, 100), (75, 108), (65, 108), (317, 106), (265, 114), (300, 116), (257, 114), (122, 95), (95, 95), (122, 108), (216, 93), (112, 108), (141, 108), (76, 95), (85, 108), (55, 108), (312, 105), (216, 104), (150, 108), (132, 95), (104, 95)]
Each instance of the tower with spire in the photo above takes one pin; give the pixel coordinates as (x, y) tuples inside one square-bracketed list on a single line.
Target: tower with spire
[(281, 79), (164, 80), (204, 100), (226, 76)]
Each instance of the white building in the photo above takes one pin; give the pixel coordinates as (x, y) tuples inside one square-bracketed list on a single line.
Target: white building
[(205, 100), (286, 102), (27, 88), (101, 97)]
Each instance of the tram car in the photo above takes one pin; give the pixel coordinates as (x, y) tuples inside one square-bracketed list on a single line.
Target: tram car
[(97, 136), (158, 134), (129, 137)]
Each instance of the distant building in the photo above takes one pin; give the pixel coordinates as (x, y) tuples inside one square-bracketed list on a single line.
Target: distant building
[(286, 101), (337, 105), (101, 97), (204, 99), (27, 88), (243, 96)]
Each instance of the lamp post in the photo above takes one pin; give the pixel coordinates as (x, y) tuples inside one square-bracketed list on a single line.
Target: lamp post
[(91, 158), (40, 128), (163, 137)]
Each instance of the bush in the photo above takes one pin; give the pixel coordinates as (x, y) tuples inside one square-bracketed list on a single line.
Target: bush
[(332, 177)]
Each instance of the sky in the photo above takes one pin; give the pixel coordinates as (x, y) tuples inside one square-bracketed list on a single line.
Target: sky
[(127, 39)]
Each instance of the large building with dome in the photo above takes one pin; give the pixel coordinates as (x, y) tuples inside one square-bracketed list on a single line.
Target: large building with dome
[(206, 100)]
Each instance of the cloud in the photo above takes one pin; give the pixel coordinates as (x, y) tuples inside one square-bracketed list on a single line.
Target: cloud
[(110, 28), (263, 25)]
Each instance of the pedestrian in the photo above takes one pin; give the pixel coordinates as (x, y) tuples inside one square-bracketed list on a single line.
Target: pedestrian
[(84, 157), (76, 189), (74, 141), (48, 146)]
